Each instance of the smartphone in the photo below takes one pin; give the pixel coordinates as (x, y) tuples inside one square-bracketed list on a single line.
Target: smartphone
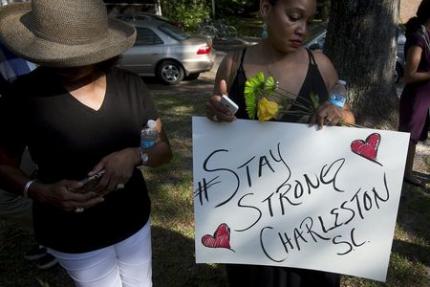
[(90, 183), (229, 104)]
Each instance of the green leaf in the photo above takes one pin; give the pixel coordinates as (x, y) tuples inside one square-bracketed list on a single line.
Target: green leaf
[(315, 99), (254, 88), (270, 86), (251, 105)]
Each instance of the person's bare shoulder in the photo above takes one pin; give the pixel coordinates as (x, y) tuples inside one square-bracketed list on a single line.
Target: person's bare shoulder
[(226, 69)]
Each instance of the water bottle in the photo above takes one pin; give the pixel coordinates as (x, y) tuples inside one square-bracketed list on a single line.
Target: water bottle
[(148, 135), (338, 94)]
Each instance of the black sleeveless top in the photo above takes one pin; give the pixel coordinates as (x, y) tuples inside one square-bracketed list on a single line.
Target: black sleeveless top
[(270, 276), (313, 84)]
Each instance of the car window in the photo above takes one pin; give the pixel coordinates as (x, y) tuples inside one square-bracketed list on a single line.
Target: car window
[(174, 32), (146, 36)]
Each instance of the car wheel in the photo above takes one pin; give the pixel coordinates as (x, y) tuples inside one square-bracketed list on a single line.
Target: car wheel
[(170, 72), (192, 77)]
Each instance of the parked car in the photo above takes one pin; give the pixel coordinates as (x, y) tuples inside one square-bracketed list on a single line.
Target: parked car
[(164, 50), (317, 40)]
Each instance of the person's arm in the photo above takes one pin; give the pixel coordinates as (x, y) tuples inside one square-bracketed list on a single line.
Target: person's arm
[(118, 166), (59, 194), (413, 59), (223, 81), (327, 113)]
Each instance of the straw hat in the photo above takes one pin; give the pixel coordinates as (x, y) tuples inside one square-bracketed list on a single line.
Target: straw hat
[(64, 33)]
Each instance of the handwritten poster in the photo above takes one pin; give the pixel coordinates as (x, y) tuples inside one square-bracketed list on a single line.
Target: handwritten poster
[(287, 194)]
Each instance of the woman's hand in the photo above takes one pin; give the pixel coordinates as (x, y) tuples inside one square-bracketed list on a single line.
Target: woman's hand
[(61, 194), (327, 114), (215, 110), (118, 168)]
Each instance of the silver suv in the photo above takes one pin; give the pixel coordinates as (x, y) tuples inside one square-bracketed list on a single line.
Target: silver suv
[(164, 50)]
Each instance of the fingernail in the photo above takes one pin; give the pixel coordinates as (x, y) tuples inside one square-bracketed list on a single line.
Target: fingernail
[(101, 199)]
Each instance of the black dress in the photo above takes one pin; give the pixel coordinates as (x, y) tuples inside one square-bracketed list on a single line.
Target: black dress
[(415, 98), (269, 276)]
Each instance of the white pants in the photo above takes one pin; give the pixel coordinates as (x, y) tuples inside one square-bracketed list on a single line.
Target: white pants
[(125, 264)]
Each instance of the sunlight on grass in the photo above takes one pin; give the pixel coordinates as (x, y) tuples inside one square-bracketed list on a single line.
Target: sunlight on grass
[(404, 272), (406, 236)]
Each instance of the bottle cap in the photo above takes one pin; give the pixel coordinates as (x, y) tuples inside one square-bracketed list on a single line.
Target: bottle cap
[(151, 124), (342, 82)]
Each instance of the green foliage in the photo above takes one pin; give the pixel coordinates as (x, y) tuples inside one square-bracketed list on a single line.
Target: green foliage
[(189, 13), (253, 89), (42, 284), (315, 99), (270, 86)]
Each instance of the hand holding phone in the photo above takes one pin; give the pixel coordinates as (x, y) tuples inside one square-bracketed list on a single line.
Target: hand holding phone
[(229, 104), (89, 183)]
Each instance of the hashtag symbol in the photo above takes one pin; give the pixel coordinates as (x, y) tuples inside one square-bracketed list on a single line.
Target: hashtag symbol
[(203, 187)]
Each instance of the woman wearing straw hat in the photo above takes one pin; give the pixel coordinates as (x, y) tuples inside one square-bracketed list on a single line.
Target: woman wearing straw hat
[(81, 117)]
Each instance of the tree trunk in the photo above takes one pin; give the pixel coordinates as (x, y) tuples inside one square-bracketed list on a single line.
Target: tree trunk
[(361, 42), (158, 10)]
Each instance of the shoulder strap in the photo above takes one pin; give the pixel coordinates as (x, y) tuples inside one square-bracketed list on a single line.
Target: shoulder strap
[(314, 79), (236, 65), (312, 61), (242, 57)]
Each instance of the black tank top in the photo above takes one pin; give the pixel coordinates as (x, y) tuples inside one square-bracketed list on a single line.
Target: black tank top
[(313, 84)]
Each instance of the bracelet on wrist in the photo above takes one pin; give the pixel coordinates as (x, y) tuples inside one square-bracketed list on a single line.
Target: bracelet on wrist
[(27, 187)]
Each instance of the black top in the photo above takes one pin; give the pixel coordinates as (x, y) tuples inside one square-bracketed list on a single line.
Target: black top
[(66, 140), (415, 100), (4, 86), (269, 276), (313, 84)]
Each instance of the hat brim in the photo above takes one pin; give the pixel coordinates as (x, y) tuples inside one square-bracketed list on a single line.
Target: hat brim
[(18, 38)]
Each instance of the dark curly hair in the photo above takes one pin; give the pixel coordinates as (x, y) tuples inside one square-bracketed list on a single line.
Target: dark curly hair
[(423, 15)]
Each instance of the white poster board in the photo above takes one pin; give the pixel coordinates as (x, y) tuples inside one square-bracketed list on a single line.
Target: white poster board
[(286, 194)]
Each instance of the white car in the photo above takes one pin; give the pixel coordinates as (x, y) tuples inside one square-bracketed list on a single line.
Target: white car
[(164, 50)]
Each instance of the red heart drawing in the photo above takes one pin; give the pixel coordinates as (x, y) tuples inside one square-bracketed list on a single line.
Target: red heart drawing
[(220, 239), (367, 149)]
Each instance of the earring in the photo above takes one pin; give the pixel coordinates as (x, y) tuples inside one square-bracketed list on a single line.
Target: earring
[(264, 31)]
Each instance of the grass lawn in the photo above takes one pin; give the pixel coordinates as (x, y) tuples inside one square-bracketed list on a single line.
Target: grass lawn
[(172, 218)]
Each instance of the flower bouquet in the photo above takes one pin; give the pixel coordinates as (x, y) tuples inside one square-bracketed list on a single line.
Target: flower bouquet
[(265, 100)]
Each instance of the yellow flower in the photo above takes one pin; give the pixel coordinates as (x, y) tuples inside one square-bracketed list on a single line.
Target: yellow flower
[(267, 109)]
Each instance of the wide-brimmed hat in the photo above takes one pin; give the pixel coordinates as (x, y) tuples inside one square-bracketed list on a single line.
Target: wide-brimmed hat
[(64, 33)]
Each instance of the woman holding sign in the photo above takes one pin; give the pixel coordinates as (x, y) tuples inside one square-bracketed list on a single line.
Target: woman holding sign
[(297, 76)]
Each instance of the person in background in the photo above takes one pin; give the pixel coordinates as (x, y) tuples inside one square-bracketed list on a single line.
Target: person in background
[(415, 98), (14, 207), (299, 71), (81, 119)]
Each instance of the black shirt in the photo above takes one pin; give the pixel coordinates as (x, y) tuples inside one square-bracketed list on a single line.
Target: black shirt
[(66, 140)]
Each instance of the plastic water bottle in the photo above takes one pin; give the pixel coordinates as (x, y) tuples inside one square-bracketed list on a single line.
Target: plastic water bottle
[(148, 135), (338, 94)]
